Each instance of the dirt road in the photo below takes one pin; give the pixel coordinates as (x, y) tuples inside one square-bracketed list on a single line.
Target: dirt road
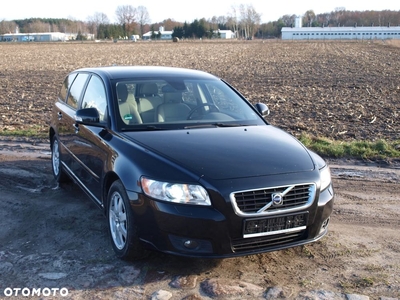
[(55, 239)]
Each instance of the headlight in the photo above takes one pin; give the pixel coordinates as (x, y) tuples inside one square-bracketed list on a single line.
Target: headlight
[(175, 192), (325, 174)]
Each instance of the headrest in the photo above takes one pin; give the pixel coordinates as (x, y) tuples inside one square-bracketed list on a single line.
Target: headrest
[(168, 89), (122, 92), (149, 89)]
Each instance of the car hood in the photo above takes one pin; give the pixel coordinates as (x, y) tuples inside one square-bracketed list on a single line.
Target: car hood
[(227, 153)]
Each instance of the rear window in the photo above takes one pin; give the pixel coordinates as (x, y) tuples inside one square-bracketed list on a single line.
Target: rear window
[(65, 86), (76, 89)]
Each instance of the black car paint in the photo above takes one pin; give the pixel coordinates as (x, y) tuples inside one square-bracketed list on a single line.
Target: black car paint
[(246, 151), (95, 155)]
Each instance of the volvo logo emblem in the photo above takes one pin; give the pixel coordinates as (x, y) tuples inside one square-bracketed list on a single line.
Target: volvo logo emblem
[(277, 199)]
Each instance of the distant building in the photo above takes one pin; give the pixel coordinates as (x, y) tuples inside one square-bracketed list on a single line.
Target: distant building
[(339, 33), (41, 37), (225, 34), (161, 33), (134, 37)]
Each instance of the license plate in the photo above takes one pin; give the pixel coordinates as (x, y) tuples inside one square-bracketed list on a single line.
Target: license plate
[(275, 225)]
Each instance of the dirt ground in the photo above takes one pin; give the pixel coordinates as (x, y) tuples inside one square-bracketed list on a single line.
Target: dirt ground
[(54, 237)]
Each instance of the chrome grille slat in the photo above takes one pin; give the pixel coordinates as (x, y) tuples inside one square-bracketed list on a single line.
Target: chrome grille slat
[(248, 203), (265, 242)]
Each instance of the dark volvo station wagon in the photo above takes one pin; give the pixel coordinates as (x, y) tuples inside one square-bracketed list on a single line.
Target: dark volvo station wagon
[(182, 163)]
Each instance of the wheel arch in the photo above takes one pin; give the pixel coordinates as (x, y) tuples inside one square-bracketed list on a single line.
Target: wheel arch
[(109, 179), (52, 133)]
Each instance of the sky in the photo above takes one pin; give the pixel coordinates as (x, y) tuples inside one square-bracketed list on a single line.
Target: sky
[(179, 10)]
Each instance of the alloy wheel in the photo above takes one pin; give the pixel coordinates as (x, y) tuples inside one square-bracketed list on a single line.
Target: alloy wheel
[(118, 220)]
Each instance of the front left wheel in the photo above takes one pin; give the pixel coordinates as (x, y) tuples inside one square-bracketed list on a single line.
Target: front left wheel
[(121, 224)]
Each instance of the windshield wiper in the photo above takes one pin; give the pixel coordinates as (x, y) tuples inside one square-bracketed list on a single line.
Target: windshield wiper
[(208, 125), (228, 125), (144, 128), (153, 127)]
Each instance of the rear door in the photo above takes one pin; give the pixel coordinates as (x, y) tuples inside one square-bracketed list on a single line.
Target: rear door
[(70, 96)]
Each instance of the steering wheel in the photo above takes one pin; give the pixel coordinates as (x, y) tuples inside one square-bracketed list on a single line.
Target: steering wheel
[(210, 105)]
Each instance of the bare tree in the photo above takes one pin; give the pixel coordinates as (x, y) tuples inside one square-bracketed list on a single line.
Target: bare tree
[(95, 21), (337, 15), (126, 16), (288, 20), (324, 19), (64, 26), (39, 26), (249, 19), (213, 22), (170, 24), (233, 20), (143, 18), (7, 26), (222, 20), (309, 17)]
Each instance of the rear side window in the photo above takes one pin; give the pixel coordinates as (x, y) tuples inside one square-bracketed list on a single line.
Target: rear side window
[(75, 91), (65, 86)]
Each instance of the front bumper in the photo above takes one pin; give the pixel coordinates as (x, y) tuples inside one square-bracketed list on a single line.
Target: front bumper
[(197, 231)]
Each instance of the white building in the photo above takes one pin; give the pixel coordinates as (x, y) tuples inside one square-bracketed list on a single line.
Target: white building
[(41, 37), (161, 33), (225, 34), (341, 33)]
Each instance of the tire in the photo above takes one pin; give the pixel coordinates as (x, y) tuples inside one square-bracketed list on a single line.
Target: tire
[(121, 225), (58, 172)]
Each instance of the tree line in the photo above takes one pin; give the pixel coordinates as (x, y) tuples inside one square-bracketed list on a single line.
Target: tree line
[(242, 19)]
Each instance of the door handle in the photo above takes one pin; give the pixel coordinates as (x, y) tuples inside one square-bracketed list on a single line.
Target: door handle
[(76, 126)]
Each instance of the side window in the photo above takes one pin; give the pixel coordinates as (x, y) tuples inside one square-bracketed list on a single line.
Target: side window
[(188, 95), (95, 96), (225, 99), (76, 90), (65, 86)]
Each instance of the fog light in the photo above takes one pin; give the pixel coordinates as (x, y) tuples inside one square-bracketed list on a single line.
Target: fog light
[(186, 245), (324, 225), (190, 244)]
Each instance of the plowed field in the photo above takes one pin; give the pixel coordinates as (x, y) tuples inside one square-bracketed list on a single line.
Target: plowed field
[(341, 90)]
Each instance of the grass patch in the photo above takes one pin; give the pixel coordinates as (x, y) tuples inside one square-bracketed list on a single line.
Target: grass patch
[(33, 132), (379, 149)]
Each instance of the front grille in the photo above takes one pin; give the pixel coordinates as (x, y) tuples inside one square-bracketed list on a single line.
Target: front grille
[(277, 240), (260, 202)]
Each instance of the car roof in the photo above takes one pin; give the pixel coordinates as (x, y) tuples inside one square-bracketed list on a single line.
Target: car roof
[(121, 72)]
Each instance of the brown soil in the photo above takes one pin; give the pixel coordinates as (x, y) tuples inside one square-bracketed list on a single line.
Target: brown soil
[(56, 238), (341, 90)]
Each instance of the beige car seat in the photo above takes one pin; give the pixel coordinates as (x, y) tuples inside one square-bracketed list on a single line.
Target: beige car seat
[(148, 102), (128, 110), (173, 109)]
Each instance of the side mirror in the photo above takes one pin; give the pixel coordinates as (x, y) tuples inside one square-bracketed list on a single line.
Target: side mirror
[(88, 116), (262, 109)]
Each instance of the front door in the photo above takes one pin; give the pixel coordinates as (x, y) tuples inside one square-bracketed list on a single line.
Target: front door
[(90, 148)]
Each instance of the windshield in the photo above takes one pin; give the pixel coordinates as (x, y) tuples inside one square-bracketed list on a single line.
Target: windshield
[(180, 103)]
